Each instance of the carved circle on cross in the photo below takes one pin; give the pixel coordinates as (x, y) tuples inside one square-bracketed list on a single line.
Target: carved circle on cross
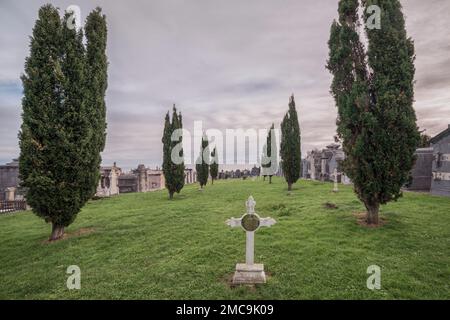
[(250, 222)]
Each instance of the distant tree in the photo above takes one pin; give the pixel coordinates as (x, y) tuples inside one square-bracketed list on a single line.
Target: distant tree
[(374, 93), (202, 163), (56, 153), (269, 157), (214, 166), (290, 151), (173, 162), (424, 140)]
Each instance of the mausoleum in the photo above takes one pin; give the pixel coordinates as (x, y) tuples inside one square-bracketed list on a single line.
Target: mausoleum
[(440, 184)]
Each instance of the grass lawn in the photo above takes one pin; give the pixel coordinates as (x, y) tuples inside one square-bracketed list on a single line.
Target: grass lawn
[(144, 246)]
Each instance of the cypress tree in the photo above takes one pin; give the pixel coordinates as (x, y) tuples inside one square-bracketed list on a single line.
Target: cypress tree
[(56, 128), (290, 151), (173, 163), (373, 91), (96, 85), (424, 140), (180, 168), (167, 149), (214, 166), (269, 157), (202, 163)]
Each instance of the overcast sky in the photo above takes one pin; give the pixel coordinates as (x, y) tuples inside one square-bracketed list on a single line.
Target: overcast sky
[(231, 64)]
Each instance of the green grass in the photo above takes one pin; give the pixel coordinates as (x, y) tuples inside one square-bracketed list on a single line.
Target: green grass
[(147, 247)]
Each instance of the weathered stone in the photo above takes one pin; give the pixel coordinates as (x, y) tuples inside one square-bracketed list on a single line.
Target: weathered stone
[(249, 274)]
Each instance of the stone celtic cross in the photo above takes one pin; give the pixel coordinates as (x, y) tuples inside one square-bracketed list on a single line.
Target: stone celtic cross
[(249, 272)]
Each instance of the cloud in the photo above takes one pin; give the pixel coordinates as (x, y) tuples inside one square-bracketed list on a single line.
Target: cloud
[(231, 64)]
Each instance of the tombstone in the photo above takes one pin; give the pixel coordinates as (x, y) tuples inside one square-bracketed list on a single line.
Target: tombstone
[(10, 194), (249, 272), (335, 188)]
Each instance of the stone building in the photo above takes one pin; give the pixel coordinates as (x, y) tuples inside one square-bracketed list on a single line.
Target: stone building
[(108, 184), (313, 164), (331, 156), (190, 176), (9, 181), (141, 179), (421, 173), (304, 169), (320, 164), (144, 179), (334, 164), (128, 183), (440, 184)]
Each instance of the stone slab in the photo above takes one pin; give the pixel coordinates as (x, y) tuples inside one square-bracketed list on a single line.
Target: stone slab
[(249, 274)]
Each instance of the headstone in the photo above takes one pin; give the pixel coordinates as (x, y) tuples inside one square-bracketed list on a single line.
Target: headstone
[(249, 272), (10, 194)]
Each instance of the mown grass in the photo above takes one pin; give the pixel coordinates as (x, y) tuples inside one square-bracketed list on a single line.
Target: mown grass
[(147, 247)]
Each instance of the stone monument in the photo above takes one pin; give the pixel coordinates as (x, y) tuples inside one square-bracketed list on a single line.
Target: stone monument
[(335, 188), (249, 272)]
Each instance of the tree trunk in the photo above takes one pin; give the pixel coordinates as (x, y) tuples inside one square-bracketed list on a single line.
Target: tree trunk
[(372, 213), (212, 181), (289, 186), (270, 179), (57, 232), (170, 195), (264, 178)]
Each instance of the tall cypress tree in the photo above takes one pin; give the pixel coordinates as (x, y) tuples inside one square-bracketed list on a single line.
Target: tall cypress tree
[(290, 150), (56, 128), (180, 168), (374, 93), (214, 166), (269, 157), (202, 163), (173, 163), (96, 85)]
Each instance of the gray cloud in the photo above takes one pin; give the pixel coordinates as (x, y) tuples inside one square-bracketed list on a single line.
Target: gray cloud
[(231, 64)]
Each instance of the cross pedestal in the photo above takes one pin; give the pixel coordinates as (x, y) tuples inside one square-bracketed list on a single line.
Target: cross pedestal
[(249, 272)]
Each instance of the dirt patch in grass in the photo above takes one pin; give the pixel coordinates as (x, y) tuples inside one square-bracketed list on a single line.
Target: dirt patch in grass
[(227, 279), (76, 233), (329, 205), (361, 220)]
